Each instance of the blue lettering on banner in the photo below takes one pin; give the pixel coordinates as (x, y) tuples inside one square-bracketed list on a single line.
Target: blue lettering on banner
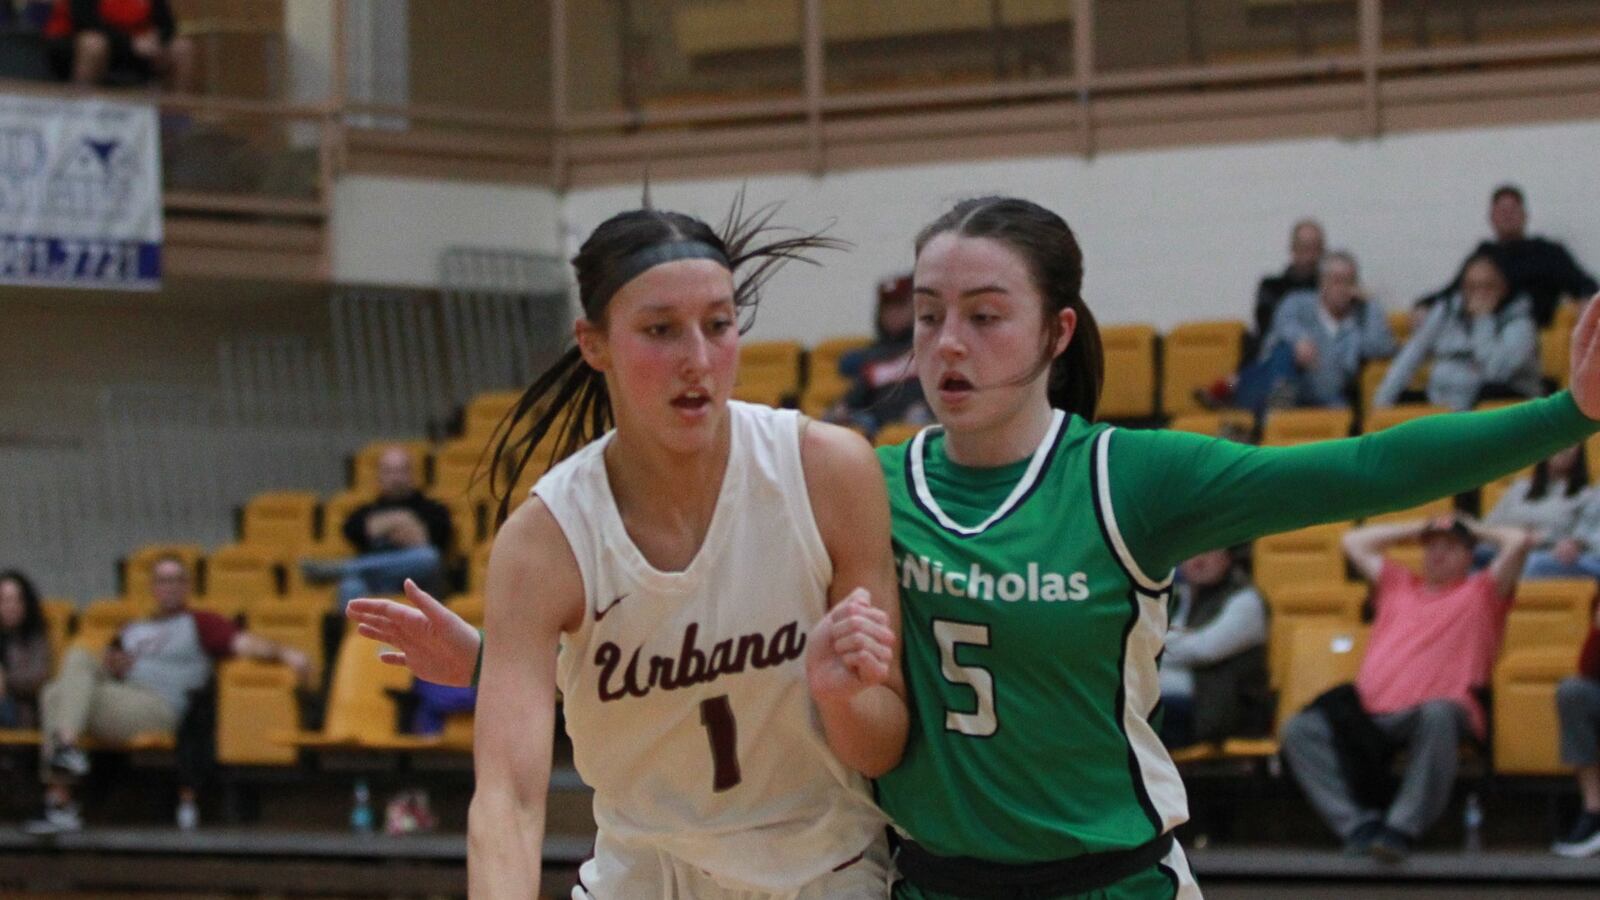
[(47, 260)]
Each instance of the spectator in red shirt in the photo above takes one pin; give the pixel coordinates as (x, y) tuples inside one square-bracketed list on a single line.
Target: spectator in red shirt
[(1578, 703), (140, 685), (1433, 642), (93, 41)]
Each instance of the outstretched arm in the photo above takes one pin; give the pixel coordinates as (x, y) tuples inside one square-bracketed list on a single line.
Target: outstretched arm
[(534, 593), (428, 638), (1176, 494), (1511, 552), (853, 654), (1365, 546)]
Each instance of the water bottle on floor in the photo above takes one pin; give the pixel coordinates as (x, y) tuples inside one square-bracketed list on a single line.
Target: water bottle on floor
[(1472, 824), (361, 817)]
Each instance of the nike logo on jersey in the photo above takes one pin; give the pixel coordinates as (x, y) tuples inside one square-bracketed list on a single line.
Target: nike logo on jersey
[(602, 613), (931, 577)]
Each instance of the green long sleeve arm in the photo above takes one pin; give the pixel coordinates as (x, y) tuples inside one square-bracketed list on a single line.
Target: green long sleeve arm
[(1176, 494)]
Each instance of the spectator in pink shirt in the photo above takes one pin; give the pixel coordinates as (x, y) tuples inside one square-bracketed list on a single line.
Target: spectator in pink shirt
[(1432, 644)]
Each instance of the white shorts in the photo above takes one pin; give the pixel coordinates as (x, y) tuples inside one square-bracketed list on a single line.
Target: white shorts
[(628, 872)]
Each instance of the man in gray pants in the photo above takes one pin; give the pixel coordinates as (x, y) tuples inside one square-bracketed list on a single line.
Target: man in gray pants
[(1578, 703), (1433, 642)]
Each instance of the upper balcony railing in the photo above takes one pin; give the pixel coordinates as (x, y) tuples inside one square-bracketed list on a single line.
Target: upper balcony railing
[(564, 92)]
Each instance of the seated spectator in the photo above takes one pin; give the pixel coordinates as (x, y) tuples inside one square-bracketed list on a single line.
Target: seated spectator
[(1548, 505), (24, 651), (1319, 339), (1430, 650), (92, 42), (141, 685), (1214, 669), (1578, 705), (401, 534), (1301, 274), (884, 386), (1482, 341), (1535, 267)]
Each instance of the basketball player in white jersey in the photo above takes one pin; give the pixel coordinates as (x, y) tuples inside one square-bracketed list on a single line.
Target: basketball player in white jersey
[(718, 579)]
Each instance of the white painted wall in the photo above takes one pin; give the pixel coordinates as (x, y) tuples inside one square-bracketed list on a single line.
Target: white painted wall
[(1175, 235), (391, 230)]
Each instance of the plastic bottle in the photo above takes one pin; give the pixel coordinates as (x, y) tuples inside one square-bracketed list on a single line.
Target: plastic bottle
[(361, 819), (1472, 824)]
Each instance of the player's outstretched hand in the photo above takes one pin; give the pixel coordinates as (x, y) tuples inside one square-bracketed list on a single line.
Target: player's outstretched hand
[(1586, 359), (434, 643), (851, 649)]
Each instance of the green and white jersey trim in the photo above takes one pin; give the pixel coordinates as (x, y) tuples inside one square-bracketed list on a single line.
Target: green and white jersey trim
[(1109, 516), (1154, 774), (1025, 485)]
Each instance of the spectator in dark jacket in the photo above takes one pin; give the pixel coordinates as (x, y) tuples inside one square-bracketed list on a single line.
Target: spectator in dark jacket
[(884, 386), (1214, 668), (91, 41), (402, 534), (1537, 267), (1578, 702), (24, 651), (1306, 244)]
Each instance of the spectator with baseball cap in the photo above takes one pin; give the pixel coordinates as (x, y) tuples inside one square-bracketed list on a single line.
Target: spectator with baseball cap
[(1429, 654)]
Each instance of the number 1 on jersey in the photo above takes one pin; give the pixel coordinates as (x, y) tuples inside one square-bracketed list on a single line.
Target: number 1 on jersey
[(716, 714), (950, 635)]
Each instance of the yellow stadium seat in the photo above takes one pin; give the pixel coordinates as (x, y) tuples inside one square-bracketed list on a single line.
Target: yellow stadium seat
[(1285, 427), (485, 412), (896, 433), (821, 393), (282, 522), (59, 616), (364, 478), (255, 702), (1130, 386), (136, 572), (335, 510), (1195, 355), (769, 372), (1308, 556), (1321, 655), (469, 607), (361, 711), (1293, 605), (1214, 424), (1591, 455), (456, 474), (1372, 375), (1379, 419), (295, 624), (240, 575), (825, 356), (464, 519), (1549, 613), (478, 568), (1440, 507), (1526, 728), (1400, 325), (101, 620), (1555, 353)]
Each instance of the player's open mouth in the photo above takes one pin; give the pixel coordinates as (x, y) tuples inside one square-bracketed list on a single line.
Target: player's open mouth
[(953, 385), (692, 401)]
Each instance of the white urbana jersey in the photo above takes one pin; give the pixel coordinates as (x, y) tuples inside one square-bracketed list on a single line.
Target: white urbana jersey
[(685, 692)]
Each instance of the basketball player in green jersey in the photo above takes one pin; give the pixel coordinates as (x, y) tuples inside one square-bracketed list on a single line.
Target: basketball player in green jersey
[(1035, 551)]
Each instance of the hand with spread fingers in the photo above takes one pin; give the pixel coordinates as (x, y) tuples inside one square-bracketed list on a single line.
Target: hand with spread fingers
[(1586, 359), (434, 643), (850, 649)]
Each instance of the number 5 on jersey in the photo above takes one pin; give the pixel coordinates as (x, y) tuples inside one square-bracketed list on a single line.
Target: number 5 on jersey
[(950, 635)]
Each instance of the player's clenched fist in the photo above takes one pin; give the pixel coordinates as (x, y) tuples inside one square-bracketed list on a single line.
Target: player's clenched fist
[(851, 649)]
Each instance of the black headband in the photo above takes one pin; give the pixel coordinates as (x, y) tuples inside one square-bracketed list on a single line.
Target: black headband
[(650, 257)]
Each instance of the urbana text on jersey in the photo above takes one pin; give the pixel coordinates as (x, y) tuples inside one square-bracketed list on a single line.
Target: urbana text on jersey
[(932, 577)]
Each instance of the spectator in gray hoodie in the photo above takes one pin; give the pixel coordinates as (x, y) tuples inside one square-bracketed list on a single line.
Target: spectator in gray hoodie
[(1546, 504), (1575, 553), (1483, 343), (1330, 331)]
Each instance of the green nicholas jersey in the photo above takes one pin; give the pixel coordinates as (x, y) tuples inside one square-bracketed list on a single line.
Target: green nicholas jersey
[(1034, 605)]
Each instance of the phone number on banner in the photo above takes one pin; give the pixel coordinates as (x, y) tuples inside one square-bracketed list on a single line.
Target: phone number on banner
[(29, 259)]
